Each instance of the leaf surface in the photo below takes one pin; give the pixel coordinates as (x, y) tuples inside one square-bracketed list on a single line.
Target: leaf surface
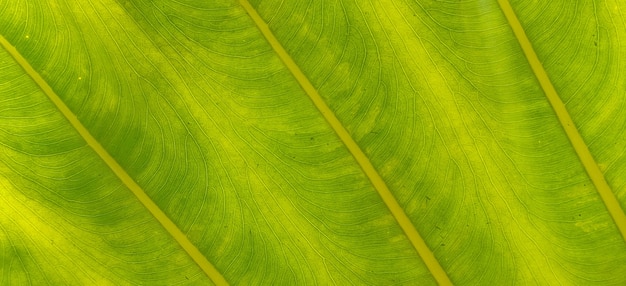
[(195, 104)]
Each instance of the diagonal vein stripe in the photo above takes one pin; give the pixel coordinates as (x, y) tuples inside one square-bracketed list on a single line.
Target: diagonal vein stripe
[(141, 195), (379, 184), (590, 165)]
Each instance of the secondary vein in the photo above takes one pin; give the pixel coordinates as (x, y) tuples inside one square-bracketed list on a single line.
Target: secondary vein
[(589, 163), (141, 195), (379, 184)]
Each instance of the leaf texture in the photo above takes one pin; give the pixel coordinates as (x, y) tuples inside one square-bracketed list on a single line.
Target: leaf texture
[(195, 105)]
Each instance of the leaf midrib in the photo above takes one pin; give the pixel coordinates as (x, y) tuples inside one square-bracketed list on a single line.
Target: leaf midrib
[(119, 171)]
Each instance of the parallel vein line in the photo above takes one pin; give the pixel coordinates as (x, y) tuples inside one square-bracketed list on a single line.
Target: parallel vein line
[(403, 220), (590, 165), (161, 217)]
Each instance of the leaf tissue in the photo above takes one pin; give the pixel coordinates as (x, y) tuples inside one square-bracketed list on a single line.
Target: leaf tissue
[(331, 142)]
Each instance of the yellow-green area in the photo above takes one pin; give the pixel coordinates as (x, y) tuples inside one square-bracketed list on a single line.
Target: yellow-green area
[(60, 223), (491, 177), (161, 217), (379, 184), (592, 168), (310, 143), (207, 120)]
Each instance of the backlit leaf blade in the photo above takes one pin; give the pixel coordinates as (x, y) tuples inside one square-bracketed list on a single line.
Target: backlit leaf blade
[(64, 218), (583, 53), (515, 196), (194, 104), (240, 160)]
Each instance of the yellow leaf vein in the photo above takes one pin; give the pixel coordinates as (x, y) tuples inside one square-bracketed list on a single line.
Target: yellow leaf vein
[(379, 184), (141, 195), (580, 147)]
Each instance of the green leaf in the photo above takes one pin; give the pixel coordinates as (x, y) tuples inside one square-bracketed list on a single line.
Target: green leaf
[(312, 142)]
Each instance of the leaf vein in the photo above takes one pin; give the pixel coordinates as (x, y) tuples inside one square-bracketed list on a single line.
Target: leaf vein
[(580, 147), (141, 195), (379, 184)]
